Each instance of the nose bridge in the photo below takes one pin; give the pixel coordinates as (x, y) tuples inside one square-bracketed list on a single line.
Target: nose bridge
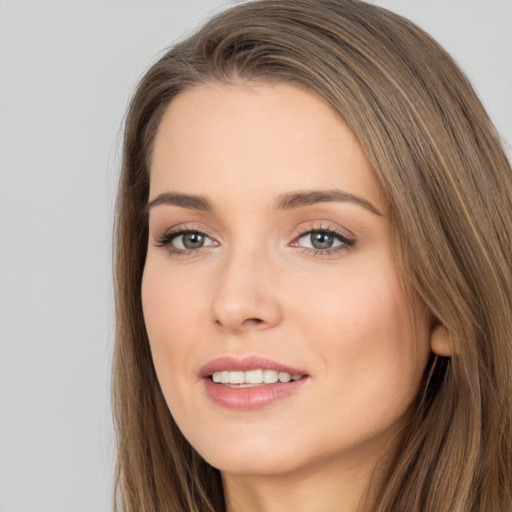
[(245, 295)]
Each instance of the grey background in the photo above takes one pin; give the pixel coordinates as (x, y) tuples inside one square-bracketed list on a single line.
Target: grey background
[(67, 69)]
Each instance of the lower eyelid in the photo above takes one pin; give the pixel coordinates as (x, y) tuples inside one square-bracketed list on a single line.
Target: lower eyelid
[(325, 253)]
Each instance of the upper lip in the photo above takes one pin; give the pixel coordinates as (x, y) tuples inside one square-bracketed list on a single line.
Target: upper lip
[(233, 364)]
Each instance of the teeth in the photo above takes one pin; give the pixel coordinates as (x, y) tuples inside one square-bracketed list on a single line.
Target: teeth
[(236, 377), (270, 376), (284, 377), (253, 377)]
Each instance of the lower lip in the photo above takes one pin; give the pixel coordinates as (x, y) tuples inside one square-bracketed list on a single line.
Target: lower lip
[(248, 399)]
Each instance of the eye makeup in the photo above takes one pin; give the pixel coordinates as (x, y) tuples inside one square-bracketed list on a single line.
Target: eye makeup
[(184, 241), (322, 241), (315, 240)]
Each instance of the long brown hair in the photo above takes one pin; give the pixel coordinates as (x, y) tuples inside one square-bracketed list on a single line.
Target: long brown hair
[(442, 167)]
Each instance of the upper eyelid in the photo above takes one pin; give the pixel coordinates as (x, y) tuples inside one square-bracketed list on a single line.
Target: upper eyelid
[(337, 230), (180, 229), (172, 233)]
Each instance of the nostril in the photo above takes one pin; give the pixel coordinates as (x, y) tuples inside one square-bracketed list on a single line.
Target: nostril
[(247, 321), (254, 320)]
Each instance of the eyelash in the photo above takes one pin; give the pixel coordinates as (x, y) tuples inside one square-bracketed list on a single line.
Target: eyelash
[(346, 243), (167, 238)]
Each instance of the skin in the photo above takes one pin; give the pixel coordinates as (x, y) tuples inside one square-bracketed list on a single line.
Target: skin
[(256, 288)]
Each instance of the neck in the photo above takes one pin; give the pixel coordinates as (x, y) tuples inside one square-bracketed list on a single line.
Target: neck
[(323, 488)]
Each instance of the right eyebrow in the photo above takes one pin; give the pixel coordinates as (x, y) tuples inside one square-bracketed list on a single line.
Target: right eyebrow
[(192, 202), (309, 197)]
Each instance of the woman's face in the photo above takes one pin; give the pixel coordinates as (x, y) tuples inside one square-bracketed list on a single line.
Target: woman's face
[(269, 258)]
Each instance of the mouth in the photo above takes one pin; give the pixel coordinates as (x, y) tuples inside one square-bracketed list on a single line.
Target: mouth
[(253, 378), (250, 383)]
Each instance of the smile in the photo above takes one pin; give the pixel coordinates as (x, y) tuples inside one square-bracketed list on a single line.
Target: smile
[(252, 378), (251, 382)]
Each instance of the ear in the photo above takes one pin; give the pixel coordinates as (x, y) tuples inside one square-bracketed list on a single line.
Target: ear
[(440, 342)]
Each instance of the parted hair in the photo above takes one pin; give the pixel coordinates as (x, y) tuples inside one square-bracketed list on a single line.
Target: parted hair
[(443, 170)]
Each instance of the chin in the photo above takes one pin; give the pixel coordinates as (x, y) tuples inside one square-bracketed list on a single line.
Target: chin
[(261, 465), (251, 455)]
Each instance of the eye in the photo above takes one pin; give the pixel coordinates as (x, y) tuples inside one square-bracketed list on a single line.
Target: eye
[(191, 240), (319, 240), (324, 240), (185, 241)]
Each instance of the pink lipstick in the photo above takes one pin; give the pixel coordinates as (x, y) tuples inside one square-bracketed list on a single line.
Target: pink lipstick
[(250, 383)]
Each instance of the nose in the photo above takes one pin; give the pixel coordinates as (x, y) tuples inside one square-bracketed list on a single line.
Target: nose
[(246, 296)]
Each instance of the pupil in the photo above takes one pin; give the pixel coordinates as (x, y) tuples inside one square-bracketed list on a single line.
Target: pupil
[(192, 240), (321, 240)]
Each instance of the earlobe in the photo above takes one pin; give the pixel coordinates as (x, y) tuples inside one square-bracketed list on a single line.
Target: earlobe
[(440, 342)]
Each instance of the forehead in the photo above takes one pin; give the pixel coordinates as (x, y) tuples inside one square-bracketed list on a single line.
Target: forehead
[(275, 136)]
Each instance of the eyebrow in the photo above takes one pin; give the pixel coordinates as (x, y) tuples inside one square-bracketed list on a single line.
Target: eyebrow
[(309, 197), (286, 201), (191, 202)]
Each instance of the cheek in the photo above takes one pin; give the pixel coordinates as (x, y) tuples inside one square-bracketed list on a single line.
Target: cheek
[(169, 310), (364, 333), (172, 306)]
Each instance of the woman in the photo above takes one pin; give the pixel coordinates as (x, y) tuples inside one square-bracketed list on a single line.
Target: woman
[(313, 272)]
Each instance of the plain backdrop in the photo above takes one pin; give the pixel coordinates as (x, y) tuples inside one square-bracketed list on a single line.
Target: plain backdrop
[(67, 70)]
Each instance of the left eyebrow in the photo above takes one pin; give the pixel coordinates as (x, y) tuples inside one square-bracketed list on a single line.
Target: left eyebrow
[(189, 201), (306, 198)]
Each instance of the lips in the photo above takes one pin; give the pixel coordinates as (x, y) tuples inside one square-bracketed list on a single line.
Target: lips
[(250, 383)]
